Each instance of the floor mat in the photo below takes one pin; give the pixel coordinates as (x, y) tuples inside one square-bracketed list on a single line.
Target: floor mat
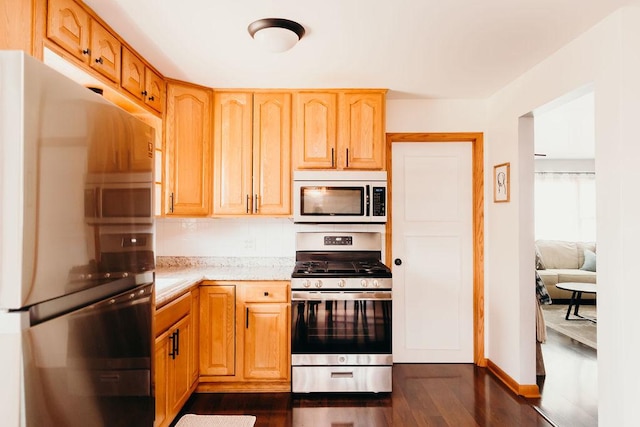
[(583, 331), (192, 420)]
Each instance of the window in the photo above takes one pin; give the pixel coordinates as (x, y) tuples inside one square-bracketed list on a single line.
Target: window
[(565, 206)]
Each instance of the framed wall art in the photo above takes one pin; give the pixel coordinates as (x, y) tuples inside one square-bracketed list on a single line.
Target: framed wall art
[(501, 183)]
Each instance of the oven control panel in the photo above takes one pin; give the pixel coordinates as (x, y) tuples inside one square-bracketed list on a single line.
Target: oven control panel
[(338, 240)]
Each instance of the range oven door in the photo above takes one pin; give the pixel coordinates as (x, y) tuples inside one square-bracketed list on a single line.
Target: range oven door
[(341, 323)]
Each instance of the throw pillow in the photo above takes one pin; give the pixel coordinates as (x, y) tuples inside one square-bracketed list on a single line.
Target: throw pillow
[(539, 263), (589, 261)]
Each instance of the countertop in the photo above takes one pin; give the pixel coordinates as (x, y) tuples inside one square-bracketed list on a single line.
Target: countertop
[(175, 278)]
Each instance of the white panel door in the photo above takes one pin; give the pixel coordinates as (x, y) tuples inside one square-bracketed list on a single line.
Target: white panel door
[(432, 236)]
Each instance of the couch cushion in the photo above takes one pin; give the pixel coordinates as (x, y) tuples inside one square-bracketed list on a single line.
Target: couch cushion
[(589, 261), (585, 246), (560, 254), (549, 277), (576, 276)]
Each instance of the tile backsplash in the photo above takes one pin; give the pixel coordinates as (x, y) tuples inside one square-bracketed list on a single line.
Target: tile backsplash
[(225, 237), (239, 237)]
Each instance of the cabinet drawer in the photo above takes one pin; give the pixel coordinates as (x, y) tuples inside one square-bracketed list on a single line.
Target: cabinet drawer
[(172, 312), (266, 292)]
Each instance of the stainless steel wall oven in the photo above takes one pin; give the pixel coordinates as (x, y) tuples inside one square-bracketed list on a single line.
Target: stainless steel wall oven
[(341, 314)]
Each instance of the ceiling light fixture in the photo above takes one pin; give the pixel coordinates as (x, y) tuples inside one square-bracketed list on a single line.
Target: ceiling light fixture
[(276, 34)]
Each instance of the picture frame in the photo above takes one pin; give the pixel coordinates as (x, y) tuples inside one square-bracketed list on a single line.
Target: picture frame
[(501, 183)]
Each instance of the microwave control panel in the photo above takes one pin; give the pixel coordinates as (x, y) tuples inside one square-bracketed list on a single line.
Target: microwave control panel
[(379, 201)]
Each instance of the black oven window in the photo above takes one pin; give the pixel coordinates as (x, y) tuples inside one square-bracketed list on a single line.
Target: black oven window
[(339, 201), (330, 327)]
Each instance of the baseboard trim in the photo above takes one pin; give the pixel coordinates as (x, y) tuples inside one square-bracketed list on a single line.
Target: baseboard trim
[(529, 391)]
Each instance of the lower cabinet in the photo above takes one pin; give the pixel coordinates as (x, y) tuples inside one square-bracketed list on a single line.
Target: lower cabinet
[(244, 336), (174, 358)]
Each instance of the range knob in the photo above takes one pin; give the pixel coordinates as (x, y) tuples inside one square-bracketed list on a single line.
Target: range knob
[(376, 284), (306, 283), (318, 283), (341, 283), (364, 283)]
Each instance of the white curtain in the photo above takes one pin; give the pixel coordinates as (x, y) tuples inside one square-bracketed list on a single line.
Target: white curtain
[(565, 206)]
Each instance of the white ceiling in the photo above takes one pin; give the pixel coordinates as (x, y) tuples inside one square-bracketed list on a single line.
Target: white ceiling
[(415, 48)]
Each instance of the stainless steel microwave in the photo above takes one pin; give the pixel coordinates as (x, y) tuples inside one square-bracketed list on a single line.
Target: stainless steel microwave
[(340, 197), (119, 198)]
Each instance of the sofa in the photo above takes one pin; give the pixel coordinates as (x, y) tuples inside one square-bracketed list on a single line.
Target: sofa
[(560, 261)]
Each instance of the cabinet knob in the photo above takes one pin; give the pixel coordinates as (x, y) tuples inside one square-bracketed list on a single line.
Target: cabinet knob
[(144, 93), (151, 98), (86, 51), (99, 60), (266, 294)]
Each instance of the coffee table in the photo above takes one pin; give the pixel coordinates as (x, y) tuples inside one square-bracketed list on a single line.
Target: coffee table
[(577, 290)]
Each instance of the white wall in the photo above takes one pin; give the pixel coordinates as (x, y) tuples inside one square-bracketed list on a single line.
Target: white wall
[(606, 56)]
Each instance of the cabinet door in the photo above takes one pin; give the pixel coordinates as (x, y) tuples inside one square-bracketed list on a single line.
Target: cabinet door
[(361, 130), (315, 130), (188, 150), (179, 378), (154, 90), (68, 27), (161, 377), (232, 186), (133, 70), (106, 52), (272, 153), (217, 330), (266, 341)]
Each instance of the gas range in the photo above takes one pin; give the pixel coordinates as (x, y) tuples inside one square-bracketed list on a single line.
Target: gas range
[(341, 314)]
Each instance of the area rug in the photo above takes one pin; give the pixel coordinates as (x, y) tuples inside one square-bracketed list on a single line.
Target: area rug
[(192, 420), (583, 331)]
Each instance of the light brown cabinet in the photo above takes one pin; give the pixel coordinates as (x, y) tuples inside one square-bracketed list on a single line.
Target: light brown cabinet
[(174, 347), (252, 153), (188, 150), (141, 81), (341, 129), (252, 318), (74, 30), (217, 330)]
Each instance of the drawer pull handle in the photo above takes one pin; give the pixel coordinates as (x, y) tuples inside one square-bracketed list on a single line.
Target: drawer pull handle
[(341, 374)]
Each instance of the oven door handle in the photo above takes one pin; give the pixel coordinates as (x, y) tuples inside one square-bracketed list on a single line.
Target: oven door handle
[(340, 296)]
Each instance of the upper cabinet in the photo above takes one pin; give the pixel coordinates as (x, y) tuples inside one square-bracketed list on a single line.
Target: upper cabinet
[(188, 150), (73, 29), (342, 129), (141, 81), (252, 146), (76, 33)]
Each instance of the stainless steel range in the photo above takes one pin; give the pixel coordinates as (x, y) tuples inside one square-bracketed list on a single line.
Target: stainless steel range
[(341, 314)]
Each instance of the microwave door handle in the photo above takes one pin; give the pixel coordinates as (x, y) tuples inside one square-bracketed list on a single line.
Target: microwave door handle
[(98, 205), (368, 201)]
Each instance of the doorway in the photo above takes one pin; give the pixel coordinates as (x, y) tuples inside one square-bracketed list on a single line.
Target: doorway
[(475, 140)]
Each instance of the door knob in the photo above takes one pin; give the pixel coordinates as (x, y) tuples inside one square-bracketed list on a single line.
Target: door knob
[(397, 261)]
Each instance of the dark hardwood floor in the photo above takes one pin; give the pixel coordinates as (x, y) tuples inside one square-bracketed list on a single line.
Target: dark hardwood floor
[(570, 388), (434, 395)]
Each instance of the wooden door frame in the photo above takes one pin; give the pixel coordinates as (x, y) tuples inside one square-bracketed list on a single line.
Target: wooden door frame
[(477, 161)]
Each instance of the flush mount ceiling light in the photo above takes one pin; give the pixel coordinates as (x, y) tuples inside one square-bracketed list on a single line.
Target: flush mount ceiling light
[(276, 34)]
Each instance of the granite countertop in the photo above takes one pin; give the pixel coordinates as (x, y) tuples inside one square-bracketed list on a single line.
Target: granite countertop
[(176, 275)]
